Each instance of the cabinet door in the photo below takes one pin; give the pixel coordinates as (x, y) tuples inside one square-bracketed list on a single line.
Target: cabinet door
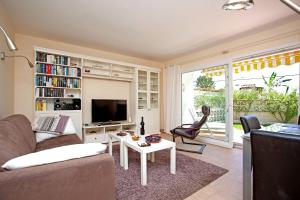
[(154, 121), (142, 86)]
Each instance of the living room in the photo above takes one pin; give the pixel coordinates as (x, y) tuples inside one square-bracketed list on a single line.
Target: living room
[(122, 78)]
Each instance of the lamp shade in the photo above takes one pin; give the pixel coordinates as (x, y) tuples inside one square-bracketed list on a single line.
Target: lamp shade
[(238, 4), (11, 45)]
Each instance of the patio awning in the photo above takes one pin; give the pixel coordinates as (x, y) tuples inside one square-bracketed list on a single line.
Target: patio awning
[(271, 61), (214, 71)]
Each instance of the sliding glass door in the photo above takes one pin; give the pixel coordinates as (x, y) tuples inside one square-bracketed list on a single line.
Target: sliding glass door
[(210, 87)]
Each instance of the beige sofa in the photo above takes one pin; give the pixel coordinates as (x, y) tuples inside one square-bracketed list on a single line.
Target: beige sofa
[(85, 178)]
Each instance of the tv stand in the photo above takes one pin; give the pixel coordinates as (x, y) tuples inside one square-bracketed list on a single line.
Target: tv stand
[(108, 123), (98, 132)]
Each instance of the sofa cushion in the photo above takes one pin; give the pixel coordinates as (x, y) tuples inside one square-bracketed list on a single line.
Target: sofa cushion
[(58, 141), (16, 137), (54, 155)]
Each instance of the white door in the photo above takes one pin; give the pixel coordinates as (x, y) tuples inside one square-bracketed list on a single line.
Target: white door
[(210, 87)]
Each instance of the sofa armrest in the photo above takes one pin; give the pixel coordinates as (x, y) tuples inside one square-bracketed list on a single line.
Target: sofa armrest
[(79, 179)]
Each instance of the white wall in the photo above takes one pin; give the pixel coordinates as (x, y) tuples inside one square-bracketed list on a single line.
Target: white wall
[(103, 89), (6, 69), (275, 37)]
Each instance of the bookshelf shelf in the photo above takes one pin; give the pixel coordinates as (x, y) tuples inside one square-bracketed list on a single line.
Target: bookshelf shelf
[(57, 64), (43, 74), (58, 88), (57, 82), (57, 98)]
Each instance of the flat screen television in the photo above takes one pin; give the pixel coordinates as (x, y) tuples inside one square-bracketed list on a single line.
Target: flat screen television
[(109, 110)]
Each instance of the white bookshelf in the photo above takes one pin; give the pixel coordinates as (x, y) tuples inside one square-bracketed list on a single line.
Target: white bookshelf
[(58, 79)]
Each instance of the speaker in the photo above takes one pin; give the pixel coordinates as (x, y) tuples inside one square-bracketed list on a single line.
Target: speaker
[(76, 104), (57, 105)]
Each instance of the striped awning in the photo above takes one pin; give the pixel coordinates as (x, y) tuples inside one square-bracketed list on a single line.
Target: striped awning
[(214, 71), (271, 61)]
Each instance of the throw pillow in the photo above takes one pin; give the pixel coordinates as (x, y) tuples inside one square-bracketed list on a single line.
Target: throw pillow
[(54, 155), (54, 124), (191, 130), (44, 135)]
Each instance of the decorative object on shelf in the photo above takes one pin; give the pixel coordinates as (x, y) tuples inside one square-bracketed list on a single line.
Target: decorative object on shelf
[(238, 5), (292, 5), (12, 47), (142, 127), (155, 138)]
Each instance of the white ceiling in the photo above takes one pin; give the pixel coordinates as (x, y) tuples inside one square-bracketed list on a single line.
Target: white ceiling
[(152, 29)]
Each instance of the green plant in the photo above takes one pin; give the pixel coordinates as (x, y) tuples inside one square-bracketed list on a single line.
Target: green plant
[(283, 107), (273, 82), (214, 100), (243, 100), (205, 82)]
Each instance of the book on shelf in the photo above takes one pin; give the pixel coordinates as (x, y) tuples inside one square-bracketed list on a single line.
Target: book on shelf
[(46, 81), (49, 92), (53, 59), (41, 105), (51, 69)]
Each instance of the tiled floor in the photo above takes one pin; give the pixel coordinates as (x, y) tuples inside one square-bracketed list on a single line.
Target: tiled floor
[(227, 187)]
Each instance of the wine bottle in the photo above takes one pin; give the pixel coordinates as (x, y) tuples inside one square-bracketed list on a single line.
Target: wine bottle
[(142, 127)]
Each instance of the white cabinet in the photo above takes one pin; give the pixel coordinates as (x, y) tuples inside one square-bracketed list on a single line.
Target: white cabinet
[(148, 99)]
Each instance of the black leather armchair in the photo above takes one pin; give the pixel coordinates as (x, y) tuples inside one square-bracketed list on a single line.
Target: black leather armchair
[(276, 164), (191, 131), (250, 122)]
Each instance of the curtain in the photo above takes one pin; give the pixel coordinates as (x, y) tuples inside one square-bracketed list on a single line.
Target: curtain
[(172, 97)]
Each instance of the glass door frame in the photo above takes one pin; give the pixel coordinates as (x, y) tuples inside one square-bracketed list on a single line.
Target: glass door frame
[(228, 98)]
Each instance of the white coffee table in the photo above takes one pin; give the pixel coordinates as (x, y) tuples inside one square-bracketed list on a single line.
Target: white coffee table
[(120, 139), (163, 144)]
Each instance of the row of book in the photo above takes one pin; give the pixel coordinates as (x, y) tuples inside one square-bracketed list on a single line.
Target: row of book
[(54, 59), (41, 105), (57, 70), (47, 81), (49, 92)]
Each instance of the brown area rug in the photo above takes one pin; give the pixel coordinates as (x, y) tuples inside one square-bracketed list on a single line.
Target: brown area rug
[(191, 175)]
